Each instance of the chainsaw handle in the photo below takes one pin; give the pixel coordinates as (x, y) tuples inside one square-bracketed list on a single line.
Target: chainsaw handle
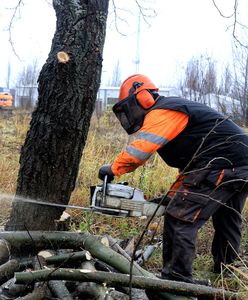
[(104, 187)]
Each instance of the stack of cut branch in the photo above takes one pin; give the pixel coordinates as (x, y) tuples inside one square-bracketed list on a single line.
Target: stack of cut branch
[(68, 265)]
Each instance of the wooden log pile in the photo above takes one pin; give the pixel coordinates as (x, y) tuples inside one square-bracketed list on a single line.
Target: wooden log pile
[(68, 265)]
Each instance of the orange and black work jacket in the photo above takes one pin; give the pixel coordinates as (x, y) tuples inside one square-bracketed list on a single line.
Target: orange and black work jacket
[(185, 134)]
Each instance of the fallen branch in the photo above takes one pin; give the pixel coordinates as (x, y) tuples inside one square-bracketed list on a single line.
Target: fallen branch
[(8, 269), (40, 289), (20, 243), (146, 254), (11, 289), (117, 279), (118, 249), (4, 251), (37, 294), (59, 289), (92, 289), (79, 256)]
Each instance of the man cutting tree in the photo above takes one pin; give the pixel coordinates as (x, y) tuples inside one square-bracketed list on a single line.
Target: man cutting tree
[(211, 153)]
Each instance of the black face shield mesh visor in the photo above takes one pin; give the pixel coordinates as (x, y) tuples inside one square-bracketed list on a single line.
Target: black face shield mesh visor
[(130, 114)]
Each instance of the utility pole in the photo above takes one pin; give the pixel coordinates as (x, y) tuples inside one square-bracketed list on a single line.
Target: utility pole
[(8, 76), (137, 59)]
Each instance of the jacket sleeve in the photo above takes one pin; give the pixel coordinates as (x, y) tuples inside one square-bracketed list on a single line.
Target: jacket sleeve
[(160, 126)]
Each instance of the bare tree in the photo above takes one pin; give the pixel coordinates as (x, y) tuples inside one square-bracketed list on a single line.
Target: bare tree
[(239, 33), (210, 77), (116, 76), (240, 88), (226, 82), (200, 79), (27, 83)]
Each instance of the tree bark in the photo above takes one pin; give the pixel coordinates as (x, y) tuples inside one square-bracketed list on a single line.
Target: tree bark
[(67, 86), (117, 279)]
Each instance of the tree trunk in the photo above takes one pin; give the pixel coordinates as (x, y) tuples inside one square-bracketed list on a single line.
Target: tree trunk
[(67, 86)]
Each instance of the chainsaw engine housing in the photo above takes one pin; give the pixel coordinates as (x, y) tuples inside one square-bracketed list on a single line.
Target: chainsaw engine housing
[(122, 200)]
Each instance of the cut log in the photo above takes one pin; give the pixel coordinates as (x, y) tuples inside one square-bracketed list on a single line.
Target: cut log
[(115, 246), (4, 251), (11, 289), (20, 241), (114, 279), (38, 293), (40, 289), (92, 289), (64, 223), (58, 288), (104, 240), (8, 269), (47, 253), (146, 254), (130, 247), (79, 256)]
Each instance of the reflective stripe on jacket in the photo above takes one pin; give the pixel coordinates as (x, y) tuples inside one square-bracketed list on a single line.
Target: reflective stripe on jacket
[(160, 126)]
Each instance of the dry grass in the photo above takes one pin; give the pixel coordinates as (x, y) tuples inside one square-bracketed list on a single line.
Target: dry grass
[(105, 140)]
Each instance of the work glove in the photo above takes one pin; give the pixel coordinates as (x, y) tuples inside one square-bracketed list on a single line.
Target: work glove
[(157, 200), (106, 170)]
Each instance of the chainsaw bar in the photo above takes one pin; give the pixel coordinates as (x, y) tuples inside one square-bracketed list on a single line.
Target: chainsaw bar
[(27, 200)]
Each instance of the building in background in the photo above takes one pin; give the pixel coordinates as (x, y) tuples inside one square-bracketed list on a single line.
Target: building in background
[(26, 98)]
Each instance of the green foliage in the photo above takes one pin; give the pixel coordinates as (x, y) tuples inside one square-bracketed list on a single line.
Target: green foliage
[(86, 222), (126, 231)]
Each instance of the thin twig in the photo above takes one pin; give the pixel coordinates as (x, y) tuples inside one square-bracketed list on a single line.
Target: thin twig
[(235, 22), (227, 17), (31, 238), (20, 2)]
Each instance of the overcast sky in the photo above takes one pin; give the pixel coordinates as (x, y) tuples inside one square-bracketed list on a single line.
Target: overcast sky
[(180, 30)]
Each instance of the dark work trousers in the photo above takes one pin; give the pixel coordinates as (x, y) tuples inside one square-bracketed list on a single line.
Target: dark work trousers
[(197, 199)]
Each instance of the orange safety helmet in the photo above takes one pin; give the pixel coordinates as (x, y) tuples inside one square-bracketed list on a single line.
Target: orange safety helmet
[(138, 85), (135, 101)]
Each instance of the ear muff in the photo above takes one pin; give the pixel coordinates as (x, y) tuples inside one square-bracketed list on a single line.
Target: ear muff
[(145, 99)]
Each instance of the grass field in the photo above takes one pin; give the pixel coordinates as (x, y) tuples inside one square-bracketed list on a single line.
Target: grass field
[(105, 140)]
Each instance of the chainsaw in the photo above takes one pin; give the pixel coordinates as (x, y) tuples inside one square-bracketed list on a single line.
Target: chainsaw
[(115, 199), (121, 200)]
